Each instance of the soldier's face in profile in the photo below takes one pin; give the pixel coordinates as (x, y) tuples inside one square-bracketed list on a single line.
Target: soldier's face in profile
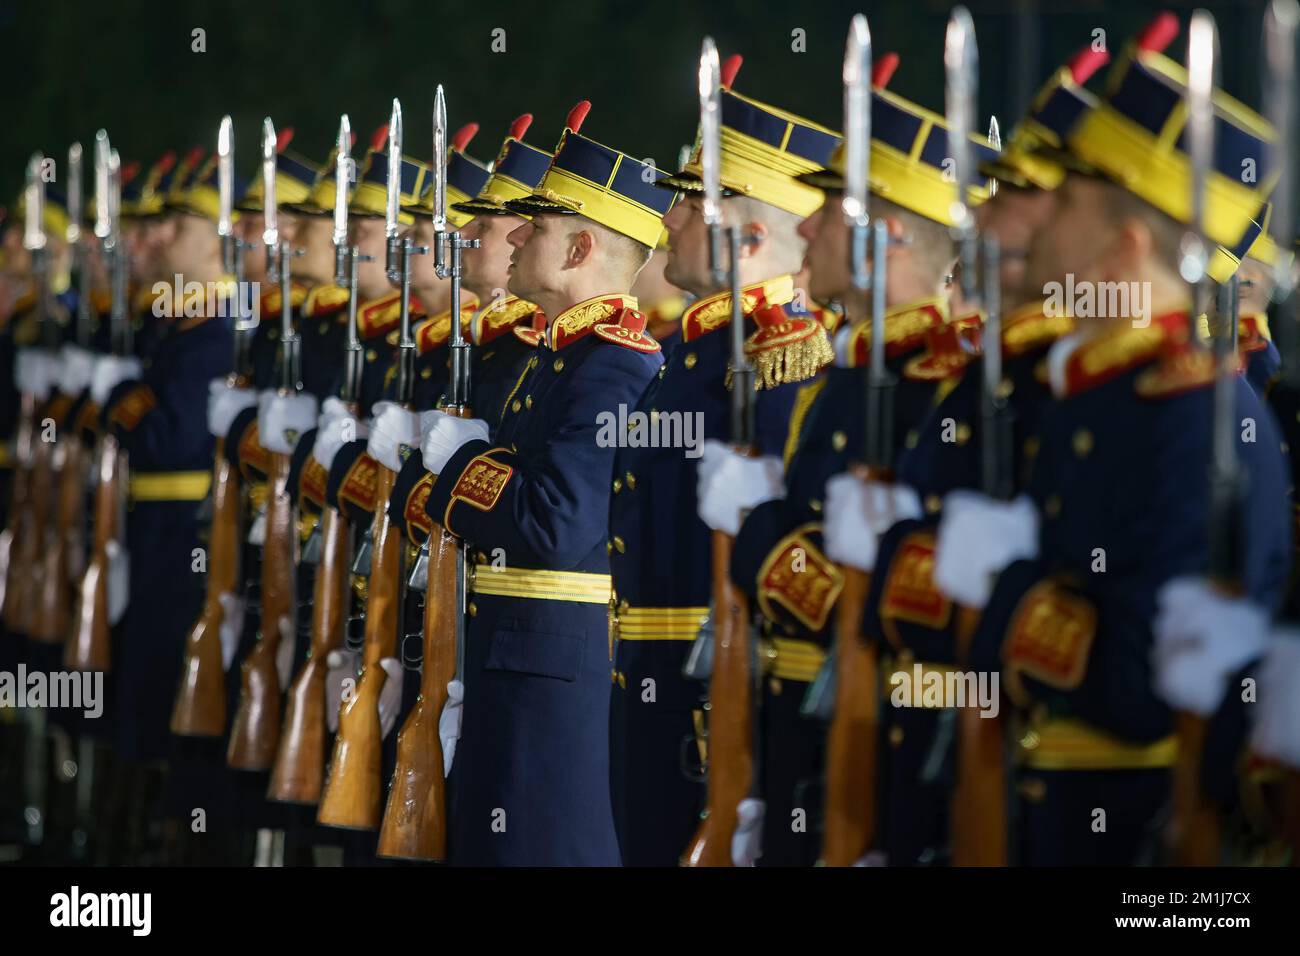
[(827, 256), (541, 250), (687, 266), (17, 260), (1073, 238), (193, 245), (435, 293), (1015, 215), (315, 239), (368, 236), (486, 270)]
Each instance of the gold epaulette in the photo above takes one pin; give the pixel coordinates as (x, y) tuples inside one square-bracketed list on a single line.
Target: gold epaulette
[(435, 331), (905, 330), (1110, 355), (1029, 329), (579, 320), (627, 329), (714, 311), (786, 348), (376, 318), (272, 301)]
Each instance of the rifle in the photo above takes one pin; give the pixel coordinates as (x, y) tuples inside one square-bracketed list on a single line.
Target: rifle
[(65, 534), (415, 817), (353, 786), (299, 772), (31, 514), (1281, 24), (89, 647), (255, 732), (200, 707), (851, 742), (731, 774)]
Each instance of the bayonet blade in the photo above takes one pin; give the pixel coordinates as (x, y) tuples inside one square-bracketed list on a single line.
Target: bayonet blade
[(961, 67), (225, 177), (394, 171), (103, 211), (857, 122), (1281, 22), (271, 227), (995, 142), (710, 87), (1202, 52), (74, 194), (342, 180), (439, 163), (34, 201)]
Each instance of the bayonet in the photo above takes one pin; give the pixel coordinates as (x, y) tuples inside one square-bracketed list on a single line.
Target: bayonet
[(270, 216), (226, 192), (342, 180), (394, 193), (440, 182), (1281, 22), (710, 90), (857, 147), (961, 67), (995, 142), (80, 263)]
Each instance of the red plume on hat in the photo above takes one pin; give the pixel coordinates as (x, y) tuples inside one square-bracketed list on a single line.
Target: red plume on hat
[(283, 139), (1159, 33), (576, 116), (379, 138), (884, 69), (730, 67), (462, 137), (130, 171), (166, 162), (1085, 63), (520, 126)]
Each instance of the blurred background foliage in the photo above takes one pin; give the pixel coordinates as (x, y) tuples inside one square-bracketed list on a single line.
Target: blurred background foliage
[(68, 67)]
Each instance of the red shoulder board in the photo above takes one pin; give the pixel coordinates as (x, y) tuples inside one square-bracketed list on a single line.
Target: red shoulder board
[(324, 300), (947, 352), (499, 318), (1179, 372), (359, 483), (271, 300), (413, 512), (377, 317), (628, 330)]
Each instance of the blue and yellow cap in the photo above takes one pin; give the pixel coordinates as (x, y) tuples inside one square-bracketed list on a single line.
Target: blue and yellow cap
[(1136, 138), (203, 198), (590, 179), (1255, 243), (370, 197), (294, 177), (182, 177), (144, 195), (465, 177), (909, 145), (763, 151), (320, 201), (1033, 156), (517, 171)]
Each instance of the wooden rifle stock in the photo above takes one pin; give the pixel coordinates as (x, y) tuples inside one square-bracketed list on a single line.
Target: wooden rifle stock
[(12, 546), (256, 728), (30, 539), (978, 811), (299, 772), (415, 818), (851, 742), (731, 716), (89, 647), (200, 707), (352, 787), (1196, 828), (64, 542)]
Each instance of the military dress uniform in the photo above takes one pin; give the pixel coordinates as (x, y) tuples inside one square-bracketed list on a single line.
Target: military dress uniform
[(1121, 471), (530, 782), (661, 569), (827, 435)]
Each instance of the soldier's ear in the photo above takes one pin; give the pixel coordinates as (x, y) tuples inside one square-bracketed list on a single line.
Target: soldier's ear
[(581, 245), (1133, 246), (757, 233)]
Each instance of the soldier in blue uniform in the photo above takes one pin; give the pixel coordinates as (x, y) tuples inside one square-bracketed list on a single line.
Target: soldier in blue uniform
[(661, 572), (910, 192), (530, 782), (1069, 578)]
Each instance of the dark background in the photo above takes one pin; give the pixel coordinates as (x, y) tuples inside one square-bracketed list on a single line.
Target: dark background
[(68, 68)]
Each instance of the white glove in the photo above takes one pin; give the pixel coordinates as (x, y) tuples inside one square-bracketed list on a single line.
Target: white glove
[(257, 530), (232, 626), (340, 680), (35, 370), (747, 841), (392, 427), (390, 697), (978, 538), (443, 434), (119, 581), (731, 484), (858, 512), (284, 652), (110, 371), (76, 369), (1277, 724), (1201, 638), (224, 405), (333, 407), (332, 434), (282, 418), (449, 723)]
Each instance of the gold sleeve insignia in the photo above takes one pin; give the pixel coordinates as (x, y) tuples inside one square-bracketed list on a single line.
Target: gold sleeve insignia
[(481, 483), (133, 406), (910, 594), (797, 576), (312, 481), (1049, 638), (359, 483), (414, 512)]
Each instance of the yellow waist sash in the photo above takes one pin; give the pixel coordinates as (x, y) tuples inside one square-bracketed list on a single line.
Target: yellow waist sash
[(1068, 744), (658, 623), (170, 485), (541, 585), (793, 660)]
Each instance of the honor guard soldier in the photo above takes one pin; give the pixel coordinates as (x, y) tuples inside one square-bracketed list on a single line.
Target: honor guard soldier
[(909, 621), (661, 573), (530, 782), (1068, 579), (909, 192)]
